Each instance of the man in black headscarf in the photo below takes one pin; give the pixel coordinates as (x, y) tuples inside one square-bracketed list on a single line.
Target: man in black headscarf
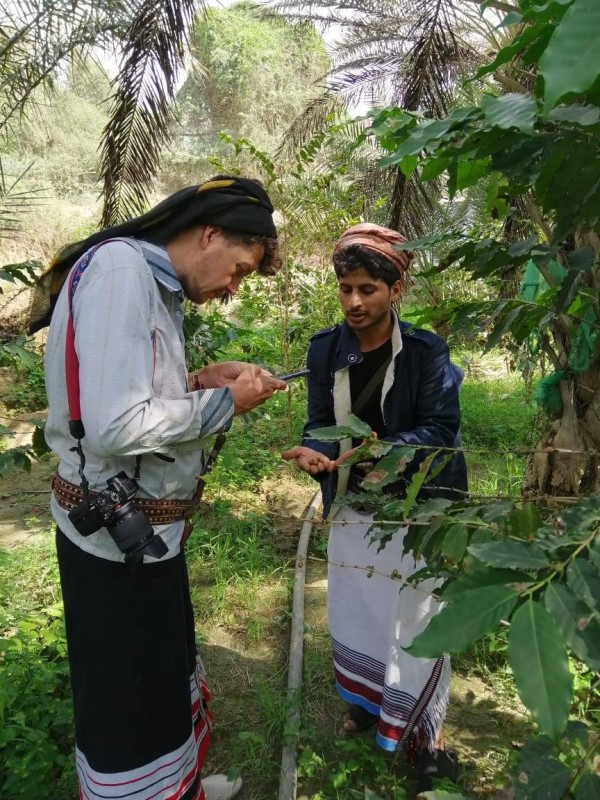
[(130, 426)]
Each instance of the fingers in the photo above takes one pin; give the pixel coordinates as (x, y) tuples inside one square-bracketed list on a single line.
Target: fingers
[(292, 453), (251, 388), (308, 460), (344, 457)]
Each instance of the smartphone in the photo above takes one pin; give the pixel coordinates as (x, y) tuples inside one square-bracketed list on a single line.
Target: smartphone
[(292, 375)]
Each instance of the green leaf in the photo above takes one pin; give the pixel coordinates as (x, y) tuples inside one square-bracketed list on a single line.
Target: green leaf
[(539, 775), (455, 542), (571, 62), (408, 165), (470, 171), (506, 54), (512, 18), (551, 10), (371, 449), (580, 629), (417, 480), (580, 115), (457, 625), (584, 579), (524, 520), (433, 168), (354, 428), (439, 794), (487, 576), (516, 555), (588, 787), (510, 111), (38, 441), (500, 328), (595, 551), (538, 659), (389, 467)]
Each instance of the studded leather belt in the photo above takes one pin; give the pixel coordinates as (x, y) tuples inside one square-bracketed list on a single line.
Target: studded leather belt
[(158, 512)]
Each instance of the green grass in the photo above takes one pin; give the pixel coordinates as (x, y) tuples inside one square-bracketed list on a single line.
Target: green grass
[(498, 417)]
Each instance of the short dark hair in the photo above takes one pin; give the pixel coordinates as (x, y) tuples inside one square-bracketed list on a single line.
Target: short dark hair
[(271, 260), (355, 256)]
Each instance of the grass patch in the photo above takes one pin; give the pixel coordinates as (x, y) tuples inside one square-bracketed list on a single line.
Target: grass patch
[(36, 735), (498, 416)]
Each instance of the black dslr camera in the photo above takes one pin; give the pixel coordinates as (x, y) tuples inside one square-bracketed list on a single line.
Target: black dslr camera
[(115, 510)]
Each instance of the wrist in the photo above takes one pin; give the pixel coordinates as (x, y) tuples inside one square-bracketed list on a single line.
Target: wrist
[(195, 381)]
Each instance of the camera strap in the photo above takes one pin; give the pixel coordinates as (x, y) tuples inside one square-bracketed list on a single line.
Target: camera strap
[(76, 428)]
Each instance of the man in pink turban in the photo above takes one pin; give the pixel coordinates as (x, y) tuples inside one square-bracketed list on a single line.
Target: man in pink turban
[(400, 381)]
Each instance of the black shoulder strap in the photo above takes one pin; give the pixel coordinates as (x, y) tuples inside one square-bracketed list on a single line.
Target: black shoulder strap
[(371, 387)]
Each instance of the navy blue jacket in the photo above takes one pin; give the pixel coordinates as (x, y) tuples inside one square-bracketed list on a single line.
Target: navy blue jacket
[(421, 406)]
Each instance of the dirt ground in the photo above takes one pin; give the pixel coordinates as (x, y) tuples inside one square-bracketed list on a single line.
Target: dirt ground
[(24, 497)]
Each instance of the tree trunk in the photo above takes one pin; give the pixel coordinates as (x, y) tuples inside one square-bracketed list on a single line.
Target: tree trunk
[(577, 472)]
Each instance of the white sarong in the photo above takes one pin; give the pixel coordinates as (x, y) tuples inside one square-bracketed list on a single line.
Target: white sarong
[(372, 616)]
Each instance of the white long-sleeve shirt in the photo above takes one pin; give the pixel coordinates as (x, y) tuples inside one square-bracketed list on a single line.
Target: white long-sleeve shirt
[(133, 385)]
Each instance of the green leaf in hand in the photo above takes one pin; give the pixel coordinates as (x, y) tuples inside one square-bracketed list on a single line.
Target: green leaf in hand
[(354, 428), (389, 468)]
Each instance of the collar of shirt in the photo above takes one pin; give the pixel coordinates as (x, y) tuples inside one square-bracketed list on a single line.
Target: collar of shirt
[(162, 268)]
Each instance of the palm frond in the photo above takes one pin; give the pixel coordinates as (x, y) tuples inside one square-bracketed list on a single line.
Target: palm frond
[(14, 201), (141, 110), (37, 36), (308, 123), (412, 54)]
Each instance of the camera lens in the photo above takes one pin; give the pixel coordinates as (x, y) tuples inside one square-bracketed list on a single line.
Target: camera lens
[(134, 535)]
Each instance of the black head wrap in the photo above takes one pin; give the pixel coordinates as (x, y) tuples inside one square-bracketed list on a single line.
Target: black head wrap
[(236, 204)]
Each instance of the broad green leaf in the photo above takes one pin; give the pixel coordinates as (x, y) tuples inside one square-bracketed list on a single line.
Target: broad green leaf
[(538, 659), (470, 171), (416, 482), (433, 168), (580, 115), (588, 787), (595, 552), (578, 520), (506, 54), (408, 165), (487, 576), (38, 441), (550, 10), (515, 555), (584, 579), (580, 629), (538, 774), (510, 111), (571, 62), (455, 542), (512, 18), (460, 623), (370, 794), (524, 520), (500, 328), (28, 358), (353, 428), (439, 794), (389, 467), (369, 450)]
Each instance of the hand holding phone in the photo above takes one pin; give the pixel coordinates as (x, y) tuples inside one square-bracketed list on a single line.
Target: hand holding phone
[(293, 375)]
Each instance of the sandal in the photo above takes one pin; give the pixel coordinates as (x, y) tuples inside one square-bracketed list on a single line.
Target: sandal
[(362, 719), (439, 764)]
